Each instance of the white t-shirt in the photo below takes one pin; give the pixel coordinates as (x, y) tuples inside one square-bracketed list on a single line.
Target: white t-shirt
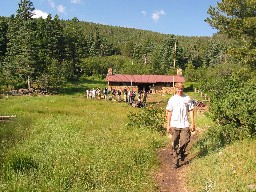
[(179, 106)]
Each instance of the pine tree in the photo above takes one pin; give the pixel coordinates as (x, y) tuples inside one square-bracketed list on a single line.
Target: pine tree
[(76, 46), (20, 60), (3, 45), (237, 19), (168, 54), (53, 67), (3, 38)]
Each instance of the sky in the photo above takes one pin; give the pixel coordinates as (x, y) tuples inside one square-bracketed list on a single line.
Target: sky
[(177, 17)]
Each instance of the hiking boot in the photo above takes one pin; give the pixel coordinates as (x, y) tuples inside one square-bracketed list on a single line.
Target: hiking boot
[(183, 156)]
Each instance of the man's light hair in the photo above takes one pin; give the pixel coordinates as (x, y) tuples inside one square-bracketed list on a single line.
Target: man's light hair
[(179, 85)]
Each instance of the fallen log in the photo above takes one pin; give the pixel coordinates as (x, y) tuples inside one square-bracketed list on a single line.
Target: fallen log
[(7, 117)]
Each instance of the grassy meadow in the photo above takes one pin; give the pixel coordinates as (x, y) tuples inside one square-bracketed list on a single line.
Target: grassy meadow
[(70, 143)]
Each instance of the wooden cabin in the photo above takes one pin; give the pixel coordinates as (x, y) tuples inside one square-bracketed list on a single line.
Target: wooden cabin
[(161, 84)]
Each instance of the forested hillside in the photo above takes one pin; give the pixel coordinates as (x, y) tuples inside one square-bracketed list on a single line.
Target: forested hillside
[(45, 53)]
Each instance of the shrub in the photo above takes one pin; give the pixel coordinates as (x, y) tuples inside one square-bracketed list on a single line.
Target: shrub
[(237, 108), (151, 117), (232, 91)]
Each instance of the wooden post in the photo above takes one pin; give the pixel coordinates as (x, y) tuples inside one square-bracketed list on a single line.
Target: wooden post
[(174, 55)]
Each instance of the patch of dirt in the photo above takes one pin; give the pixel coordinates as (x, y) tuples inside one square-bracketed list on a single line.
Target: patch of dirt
[(169, 179)]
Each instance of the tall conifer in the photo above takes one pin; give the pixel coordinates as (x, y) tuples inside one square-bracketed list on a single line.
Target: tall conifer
[(20, 60)]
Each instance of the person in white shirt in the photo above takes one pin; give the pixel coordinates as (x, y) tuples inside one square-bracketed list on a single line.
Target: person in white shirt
[(178, 110), (87, 93), (93, 93)]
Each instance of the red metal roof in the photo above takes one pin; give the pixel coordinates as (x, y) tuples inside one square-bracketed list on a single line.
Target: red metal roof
[(145, 78)]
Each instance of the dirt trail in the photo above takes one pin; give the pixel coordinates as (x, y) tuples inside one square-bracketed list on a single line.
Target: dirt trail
[(167, 178)]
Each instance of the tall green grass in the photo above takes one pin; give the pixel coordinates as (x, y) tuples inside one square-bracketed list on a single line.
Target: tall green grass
[(232, 168), (69, 143), (221, 164)]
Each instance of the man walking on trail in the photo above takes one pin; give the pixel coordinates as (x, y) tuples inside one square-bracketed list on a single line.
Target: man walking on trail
[(179, 107)]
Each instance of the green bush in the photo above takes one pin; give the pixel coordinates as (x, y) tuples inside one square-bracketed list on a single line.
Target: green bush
[(151, 117), (189, 86), (237, 107), (233, 91)]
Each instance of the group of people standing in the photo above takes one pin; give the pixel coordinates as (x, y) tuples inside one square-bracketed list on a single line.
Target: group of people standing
[(116, 94), (93, 93), (129, 96)]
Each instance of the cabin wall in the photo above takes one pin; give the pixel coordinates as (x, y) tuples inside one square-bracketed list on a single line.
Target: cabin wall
[(160, 88)]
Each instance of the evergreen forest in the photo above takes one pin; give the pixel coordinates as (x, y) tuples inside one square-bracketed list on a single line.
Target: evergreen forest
[(45, 53)]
